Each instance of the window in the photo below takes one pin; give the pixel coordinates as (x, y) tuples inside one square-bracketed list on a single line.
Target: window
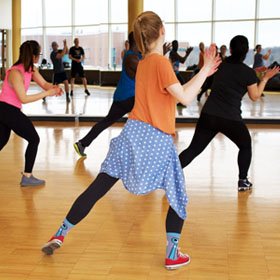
[(94, 41), (164, 8), (29, 18), (58, 13), (118, 35), (89, 12), (269, 9), (237, 9), (198, 10), (119, 11), (102, 25)]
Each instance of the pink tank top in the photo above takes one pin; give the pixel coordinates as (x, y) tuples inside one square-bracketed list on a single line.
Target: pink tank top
[(8, 94)]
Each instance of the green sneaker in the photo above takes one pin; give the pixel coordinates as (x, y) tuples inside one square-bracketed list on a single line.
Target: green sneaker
[(80, 149)]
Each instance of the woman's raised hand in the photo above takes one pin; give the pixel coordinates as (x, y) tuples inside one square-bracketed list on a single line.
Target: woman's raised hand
[(212, 60), (269, 73)]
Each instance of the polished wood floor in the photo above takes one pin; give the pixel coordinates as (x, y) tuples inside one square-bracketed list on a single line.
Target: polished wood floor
[(229, 235)]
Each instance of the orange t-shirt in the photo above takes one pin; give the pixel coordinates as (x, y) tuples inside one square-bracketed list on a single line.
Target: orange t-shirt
[(153, 103)]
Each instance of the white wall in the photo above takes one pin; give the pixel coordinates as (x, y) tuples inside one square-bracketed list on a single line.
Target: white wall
[(5, 14)]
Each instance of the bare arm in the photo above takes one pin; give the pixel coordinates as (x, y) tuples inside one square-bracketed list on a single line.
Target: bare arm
[(186, 93), (255, 90), (267, 55), (64, 50), (130, 65), (39, 80), (16, 81)]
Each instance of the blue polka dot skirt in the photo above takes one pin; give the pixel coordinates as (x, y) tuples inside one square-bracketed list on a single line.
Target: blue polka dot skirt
[(145, 159)]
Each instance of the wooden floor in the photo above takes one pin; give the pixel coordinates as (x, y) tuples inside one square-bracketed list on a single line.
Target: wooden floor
[(229, 235)]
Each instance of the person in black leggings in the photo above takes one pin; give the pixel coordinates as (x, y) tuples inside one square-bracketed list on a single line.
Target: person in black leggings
[(12, 96), (221, 112), (123, 97)]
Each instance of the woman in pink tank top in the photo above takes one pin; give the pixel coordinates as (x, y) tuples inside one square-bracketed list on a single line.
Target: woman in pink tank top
[(13, 95)]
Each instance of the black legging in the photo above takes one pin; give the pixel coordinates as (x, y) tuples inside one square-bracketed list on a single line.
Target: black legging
[(117, 110), (11, 118), (98, 188), (207, 128)]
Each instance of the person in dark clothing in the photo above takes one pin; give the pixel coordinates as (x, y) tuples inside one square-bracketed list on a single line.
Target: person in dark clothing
[(58, 67), (222, 113), (176, 59), (77, 55)]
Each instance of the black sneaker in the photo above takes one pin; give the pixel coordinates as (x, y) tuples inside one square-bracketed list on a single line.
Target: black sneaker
[(244, 185), (71, 93), (87, 92), (80, 149)]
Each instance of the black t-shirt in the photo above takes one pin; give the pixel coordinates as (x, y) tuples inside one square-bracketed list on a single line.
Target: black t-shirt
[(228, 88), (76, 53), (57, 62)]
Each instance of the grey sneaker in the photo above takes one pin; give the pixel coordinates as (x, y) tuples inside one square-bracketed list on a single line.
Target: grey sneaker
[(31, 181), (80, 149)]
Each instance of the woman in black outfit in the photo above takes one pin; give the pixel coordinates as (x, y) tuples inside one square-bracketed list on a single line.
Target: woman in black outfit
[(222, 113)]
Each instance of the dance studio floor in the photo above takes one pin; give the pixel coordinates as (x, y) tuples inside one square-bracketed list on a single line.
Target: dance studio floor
[(98, 104), (229, 235)]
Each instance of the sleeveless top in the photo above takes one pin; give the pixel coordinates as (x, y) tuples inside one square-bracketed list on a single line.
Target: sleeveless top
[(8, 94), (126, 85)]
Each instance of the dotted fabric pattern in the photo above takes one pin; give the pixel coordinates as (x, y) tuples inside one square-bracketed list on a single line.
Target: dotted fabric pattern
[(145, 159)]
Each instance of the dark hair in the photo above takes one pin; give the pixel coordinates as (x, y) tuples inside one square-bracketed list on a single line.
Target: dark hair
[(131, 40), (146, 30), (255, 49), (175, 45), (26, 52), (239, 46)]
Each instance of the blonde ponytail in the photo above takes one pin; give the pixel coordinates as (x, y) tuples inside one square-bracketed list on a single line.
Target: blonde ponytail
[(146, 30)]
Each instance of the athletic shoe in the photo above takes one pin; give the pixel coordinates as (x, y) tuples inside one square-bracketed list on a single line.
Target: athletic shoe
[(71, 93), (181, 105), (87, 92), (31, 181), (54, 243), (80, 149), (244, 185), (181, 260)]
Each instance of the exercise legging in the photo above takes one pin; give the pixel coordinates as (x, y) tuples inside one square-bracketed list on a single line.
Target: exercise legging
[(99, 187), (207, 128), (117, 110), (11, 118)]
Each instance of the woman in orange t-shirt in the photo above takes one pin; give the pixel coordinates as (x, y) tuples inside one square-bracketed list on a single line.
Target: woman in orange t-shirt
[(144, 154)]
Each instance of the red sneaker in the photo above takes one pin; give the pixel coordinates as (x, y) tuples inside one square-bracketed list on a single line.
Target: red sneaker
[(181, 260), (54, 243)]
